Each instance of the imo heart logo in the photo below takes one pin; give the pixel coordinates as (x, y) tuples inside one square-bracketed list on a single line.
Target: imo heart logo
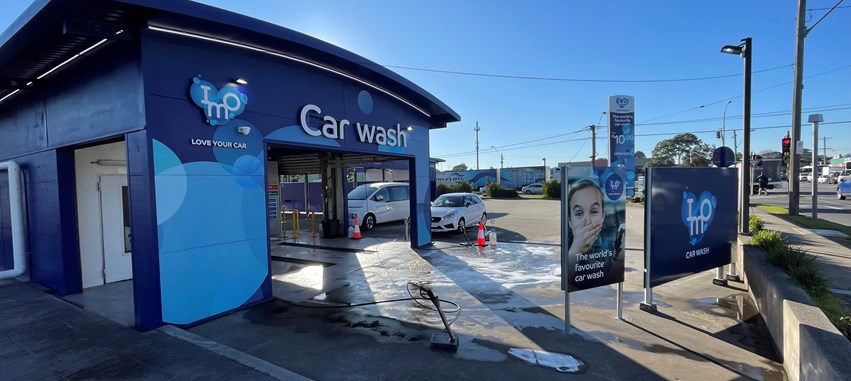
[(622, 102)]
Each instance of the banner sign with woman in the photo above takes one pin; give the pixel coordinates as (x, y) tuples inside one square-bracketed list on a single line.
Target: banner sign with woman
[(593, 227)]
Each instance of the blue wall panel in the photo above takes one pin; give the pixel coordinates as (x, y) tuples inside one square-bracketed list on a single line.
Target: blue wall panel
[(95, 97), (210, 201), (146, 276)]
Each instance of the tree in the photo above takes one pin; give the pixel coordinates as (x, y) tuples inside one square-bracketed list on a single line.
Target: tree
[(640, 155), (460, 167), (769, 154), (683, 149)]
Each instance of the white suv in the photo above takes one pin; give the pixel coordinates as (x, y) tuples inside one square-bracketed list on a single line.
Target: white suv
[(379, 202), (844, 175)]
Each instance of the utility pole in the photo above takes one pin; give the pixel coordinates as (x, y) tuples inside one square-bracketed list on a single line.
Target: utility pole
[(593, 144), (477, 129), (794, 186)]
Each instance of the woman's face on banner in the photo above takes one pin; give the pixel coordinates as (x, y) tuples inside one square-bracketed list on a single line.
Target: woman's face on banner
[(586, 208)]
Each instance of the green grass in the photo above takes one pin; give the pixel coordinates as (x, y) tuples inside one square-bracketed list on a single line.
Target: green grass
[(807, 222)]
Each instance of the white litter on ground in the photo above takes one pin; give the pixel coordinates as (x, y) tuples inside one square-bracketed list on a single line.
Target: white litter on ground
[(829, 233), (557, 361)]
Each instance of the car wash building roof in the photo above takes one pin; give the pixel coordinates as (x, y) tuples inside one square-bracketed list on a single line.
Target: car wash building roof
[(52, 34)]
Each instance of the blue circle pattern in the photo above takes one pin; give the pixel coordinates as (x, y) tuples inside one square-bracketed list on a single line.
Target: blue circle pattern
[(212, 232), (365, 102)]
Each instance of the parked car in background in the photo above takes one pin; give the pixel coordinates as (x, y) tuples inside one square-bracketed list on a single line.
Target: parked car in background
[(457, 211), (535, 188), (843, 189), (377, 203), (804, 176), (844, 175), (825, 179)]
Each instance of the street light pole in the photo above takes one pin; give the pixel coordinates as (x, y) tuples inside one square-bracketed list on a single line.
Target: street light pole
[(724, 126), (500, 156), (745, 50)]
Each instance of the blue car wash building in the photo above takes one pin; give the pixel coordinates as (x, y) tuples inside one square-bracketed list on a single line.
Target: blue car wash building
[(144, 140)]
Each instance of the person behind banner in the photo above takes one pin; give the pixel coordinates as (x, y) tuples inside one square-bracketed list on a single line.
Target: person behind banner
[(762, 179), (586, 222)]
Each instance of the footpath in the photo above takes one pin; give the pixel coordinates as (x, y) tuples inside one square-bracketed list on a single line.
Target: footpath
[(831, 249)]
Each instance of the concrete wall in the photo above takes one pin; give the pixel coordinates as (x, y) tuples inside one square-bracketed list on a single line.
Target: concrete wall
[(810, 346)]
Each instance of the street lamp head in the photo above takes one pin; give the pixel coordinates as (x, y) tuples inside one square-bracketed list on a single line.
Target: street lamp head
[(815, 118), (733, 49)]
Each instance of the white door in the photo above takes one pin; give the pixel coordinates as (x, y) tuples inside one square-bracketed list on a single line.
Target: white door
[(115, 224)]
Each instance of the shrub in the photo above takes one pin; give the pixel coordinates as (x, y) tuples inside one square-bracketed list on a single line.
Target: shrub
[(804, 271), (443, 189), (755, 224), (552, 189), (768, 240), (503, 193), (463, 187)]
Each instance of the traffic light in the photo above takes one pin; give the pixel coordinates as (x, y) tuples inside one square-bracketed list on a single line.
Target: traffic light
[(787, 143)]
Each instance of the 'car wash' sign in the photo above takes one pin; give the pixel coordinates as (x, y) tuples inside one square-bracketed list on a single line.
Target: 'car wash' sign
[(336, 129)]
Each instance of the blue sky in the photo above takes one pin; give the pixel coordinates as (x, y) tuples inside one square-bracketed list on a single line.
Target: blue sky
[(583, 48)]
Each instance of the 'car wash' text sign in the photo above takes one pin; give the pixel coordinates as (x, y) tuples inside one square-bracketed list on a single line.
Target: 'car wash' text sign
[(692, 220)]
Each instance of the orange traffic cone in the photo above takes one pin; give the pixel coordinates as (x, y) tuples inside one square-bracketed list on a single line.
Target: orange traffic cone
[(356, 234), (480, 240)]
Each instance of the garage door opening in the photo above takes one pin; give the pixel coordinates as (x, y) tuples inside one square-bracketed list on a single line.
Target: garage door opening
[(310, 204)]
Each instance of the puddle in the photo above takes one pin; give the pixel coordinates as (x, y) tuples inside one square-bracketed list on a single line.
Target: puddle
[(564, 363)]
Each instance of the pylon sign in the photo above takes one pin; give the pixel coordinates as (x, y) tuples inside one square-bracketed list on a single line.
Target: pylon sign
[(593, 227), (622, 137)]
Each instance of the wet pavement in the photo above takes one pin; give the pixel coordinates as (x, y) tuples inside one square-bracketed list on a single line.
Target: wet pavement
[(332, 321), (344, 311)]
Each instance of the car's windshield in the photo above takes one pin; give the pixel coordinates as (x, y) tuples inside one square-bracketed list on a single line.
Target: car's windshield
[(449, 201), (362, 192)]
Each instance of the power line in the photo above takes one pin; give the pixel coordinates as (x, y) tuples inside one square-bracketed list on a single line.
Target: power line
[(592, 80), (739, 96), (637, 135), (822, 18)]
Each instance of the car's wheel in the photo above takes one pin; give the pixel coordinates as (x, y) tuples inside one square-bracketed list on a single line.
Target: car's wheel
[(368, 222), (839, 194), (462, 225), (528, 192)]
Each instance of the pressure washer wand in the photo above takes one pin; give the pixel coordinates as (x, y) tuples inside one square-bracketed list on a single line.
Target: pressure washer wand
[(436, 301)]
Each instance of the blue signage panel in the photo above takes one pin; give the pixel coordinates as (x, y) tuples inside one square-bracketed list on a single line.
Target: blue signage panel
[(595, 214), (622, 137), (692, 220)]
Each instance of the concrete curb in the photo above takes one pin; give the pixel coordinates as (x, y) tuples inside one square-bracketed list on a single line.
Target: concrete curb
[(250, 361), (811, 347)]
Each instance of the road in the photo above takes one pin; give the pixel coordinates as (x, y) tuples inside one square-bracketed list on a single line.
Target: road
[(829, 207)]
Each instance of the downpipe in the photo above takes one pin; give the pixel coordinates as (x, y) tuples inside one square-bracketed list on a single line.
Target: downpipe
[(16, 207)]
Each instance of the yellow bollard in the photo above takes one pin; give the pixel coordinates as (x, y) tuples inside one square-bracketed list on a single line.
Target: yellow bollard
[(283, 224), (295, 221)]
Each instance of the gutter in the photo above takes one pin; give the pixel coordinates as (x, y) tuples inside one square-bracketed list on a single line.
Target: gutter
[(19, 247)]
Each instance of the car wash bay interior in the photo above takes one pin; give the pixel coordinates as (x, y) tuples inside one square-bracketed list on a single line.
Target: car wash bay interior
[(318, 181)]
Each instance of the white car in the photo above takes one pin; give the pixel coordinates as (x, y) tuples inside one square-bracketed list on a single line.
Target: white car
[(379, 202), (457, 211), (825, 179), (535, 188)]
